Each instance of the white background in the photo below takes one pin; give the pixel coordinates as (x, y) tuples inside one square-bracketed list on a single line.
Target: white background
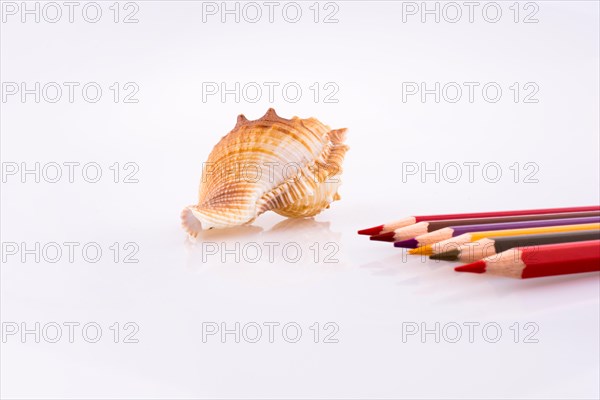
[(371, 290)]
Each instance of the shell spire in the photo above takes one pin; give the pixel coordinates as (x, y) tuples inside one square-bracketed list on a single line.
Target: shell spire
[(289, 166)]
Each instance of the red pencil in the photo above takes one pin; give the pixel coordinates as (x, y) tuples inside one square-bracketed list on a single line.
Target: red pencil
[(538, 261), (389, 227)]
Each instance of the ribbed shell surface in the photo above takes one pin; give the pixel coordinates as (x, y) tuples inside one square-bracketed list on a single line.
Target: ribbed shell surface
[(288, 166)]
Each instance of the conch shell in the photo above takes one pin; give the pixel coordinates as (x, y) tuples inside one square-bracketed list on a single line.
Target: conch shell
[(290, 166)]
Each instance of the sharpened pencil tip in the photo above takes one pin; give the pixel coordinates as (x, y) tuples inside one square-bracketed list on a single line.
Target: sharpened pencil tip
[(407, 244), (371, 231), (478, 267), (384, 237), (451, 255), (426, 250)]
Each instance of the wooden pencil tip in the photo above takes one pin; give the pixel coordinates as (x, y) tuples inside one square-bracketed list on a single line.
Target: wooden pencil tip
[(426, 250), (478, 267), (384, 237), (451, 255), (407, 244), (371, 231)]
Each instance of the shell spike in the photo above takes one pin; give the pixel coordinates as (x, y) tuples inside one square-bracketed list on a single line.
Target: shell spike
[(338, 136), (241, 120), (271, 115)]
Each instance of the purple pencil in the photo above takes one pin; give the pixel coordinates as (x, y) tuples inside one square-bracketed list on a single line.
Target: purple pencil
[(452, 231)]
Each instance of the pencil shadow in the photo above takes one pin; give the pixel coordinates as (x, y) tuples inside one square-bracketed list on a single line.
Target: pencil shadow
[(549, 281), (502, 287), (398, 264)]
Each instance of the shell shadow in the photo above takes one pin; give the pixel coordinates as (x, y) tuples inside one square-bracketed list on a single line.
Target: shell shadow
[(306, 229), (238, 232), (251, 246)]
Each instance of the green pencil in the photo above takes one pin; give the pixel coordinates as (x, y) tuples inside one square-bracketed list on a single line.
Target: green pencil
[(493, 245)]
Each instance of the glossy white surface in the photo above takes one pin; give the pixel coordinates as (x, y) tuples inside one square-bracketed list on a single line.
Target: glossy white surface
[(369, 290)]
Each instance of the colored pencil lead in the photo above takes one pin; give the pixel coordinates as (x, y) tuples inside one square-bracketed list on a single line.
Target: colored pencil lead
[(384, 237), (426, 250), (407, 244), (478, 267), (371, 231), (451, 255)]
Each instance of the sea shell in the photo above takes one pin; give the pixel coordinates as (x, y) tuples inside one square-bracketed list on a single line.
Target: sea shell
[(290, 166)]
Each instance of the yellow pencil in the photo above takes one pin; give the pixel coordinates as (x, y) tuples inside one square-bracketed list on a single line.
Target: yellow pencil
[(456, 242)]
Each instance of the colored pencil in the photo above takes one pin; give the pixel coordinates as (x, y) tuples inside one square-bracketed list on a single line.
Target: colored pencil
[(422, 228), (489, 246), (458, 241), (452, 231), (535, 262), (420, 218)]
